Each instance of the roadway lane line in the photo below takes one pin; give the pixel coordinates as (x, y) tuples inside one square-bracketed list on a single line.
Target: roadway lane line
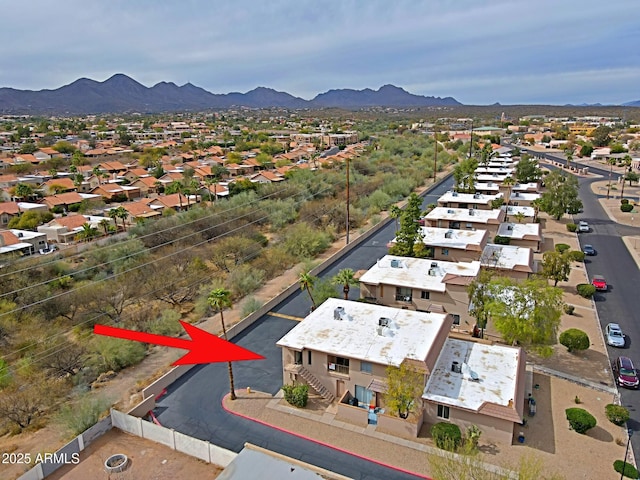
[(288, 317)]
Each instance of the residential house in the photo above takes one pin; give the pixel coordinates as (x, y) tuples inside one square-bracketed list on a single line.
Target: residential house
[(36, 240), (58, 185), (527, 214), (132, 174), (508, 260), (9, 210), (421, 284), (113, 167), (213, 191), (487, 188), (10, 243), (266, 176), (531, 187), (454, 245), (116, 192), (146, 185), (342, 349), (523, 199), (175, 201), (453, 199), (528, 235), (25, 158), (65, 229), (64, 200), (465, 219), (141, 210)]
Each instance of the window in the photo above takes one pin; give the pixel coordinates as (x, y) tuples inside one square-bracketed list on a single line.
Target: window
[(338, 364), (424, 295), (443, 411), (403, 294), (445, 251), (469, 226), (309, 352), (366, 367), (297, 358), (456, 319), (454, 225), (364, 395)]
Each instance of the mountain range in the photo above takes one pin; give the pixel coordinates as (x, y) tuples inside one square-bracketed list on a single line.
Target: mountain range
[(122, 94)]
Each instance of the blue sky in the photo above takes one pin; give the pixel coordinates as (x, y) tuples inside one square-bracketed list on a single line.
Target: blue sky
[(479, 52)]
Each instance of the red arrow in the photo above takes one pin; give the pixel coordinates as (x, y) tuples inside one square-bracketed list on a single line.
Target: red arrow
[(203, 347)]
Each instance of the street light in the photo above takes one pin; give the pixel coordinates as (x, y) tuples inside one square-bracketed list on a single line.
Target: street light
[(471, 140), (624, 463)]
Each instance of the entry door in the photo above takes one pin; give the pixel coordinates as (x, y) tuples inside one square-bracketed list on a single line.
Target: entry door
[(339, 388)]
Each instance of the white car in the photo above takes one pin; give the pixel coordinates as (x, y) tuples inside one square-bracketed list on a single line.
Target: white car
[(583, 226), (614, 335)]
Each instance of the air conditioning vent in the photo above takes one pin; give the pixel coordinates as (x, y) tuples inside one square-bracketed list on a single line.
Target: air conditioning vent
[(395, 263), (448, 234), (434, 264), (471, 211), (383, 322), (449, 211), (454, 194), (432, 272), (338, 312), (509, 227)]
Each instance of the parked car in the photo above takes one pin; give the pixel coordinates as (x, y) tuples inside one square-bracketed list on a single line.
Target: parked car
[(583, 226), (589, 250), (625, 373), (614, 335), (599, 282)]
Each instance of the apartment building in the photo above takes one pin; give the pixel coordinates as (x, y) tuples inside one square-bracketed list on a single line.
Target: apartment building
[(465, 219)]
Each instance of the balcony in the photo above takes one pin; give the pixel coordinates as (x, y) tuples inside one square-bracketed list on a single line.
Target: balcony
[(335, 368), (404, 298)]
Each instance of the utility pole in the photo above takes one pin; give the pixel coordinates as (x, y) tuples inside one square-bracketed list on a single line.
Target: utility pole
[(471, 140), (609, 182), (347, 238)]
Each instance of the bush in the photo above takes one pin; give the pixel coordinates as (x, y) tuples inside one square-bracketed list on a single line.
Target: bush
[(626, 207), (629, 470), (572, 227), (296, 395), (499, 240), (116, 354), (624, 201), (580, 420), (245, 279), (617, 414), (85, 413), (251, 305), (585, 290), (303, 241), (574, 339), (568, 309), (168, 324), (576, 256), (446, 435), (562, 247)]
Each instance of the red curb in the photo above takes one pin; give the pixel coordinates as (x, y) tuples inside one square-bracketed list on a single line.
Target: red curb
[(304, 437)]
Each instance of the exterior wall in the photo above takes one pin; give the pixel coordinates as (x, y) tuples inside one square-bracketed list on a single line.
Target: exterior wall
[(399, 426), (455, 254), (491, 228), (476, 206), (515, 274), (532, 244), (493, 429)]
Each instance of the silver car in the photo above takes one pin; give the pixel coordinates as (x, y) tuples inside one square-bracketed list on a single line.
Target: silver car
[(614, 335)]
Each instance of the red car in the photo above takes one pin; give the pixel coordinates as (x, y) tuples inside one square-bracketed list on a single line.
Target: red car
[(600, 283), (625, 373)]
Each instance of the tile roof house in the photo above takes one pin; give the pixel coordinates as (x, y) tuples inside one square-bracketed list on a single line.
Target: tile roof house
[(110, 191), (63, 199), (146, 185), (138, 210), (12, 243), (58, 185), (65, 229), (266, 177), (342, 349)]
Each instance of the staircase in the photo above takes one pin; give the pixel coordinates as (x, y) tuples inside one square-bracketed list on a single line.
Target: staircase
[(316, 384)]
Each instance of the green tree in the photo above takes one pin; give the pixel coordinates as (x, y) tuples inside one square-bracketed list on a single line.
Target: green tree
[(527, 170), (556, 266), (480, 297), (601, 136), (307, 281), (87, 233), (404, 389), (346, 278), (23, 191), (526, 313), (561, 194), (105, 224), (464, 176), (586, 150), (219, 299), (409, 236), (574, 339)]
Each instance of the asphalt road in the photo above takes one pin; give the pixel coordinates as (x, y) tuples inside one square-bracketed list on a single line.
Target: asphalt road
[(192, 404), (615, 263)]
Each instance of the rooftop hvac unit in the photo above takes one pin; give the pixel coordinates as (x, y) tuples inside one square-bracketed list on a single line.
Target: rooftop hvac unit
[(383, 322), (476, 195), (338, 312), (509, 227), (454, 194), (516, 194), (456, 367), (434, 264), (380, 330), (395, 263), (448, 234), (449, 211), (471, 211), (432, 272)]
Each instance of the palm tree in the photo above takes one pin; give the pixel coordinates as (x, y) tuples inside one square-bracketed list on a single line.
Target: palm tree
[(508, 182), (536, 208), (569, 155), (113, 213), (346, 278), (87, 232), (219, 299), (395, 212), (104, 223), (307, 281), (122, 214)]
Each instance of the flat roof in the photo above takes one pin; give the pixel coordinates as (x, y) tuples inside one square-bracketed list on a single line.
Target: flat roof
[(353, 332), (491, 177), (419, 273), (494, 366), (27, 234), (487, 186), (463, 215), (500, 170), (508, 257), (520, 230), (524, 195), (525, 187), (514, 210), (477, 198), (450, 238)]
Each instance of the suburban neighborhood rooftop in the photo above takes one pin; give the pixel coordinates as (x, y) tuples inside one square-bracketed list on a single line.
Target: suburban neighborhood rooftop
[(450, 238), (350, 329)]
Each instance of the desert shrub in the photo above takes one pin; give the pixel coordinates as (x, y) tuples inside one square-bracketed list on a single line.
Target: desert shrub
[(245, 279), (446, 435), (79, 416), (626, 207), (116, 354), (251, 305), (568, 309), (580, 420), (273, 261), (303, 241), (585, 290), (576, 256), (574, 339), (5, 376), (377, 201), (572, 227), (296, 395), (167, 324), (616, 414), (499, 240), (629, 470), (562, 247), (624, 201)]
